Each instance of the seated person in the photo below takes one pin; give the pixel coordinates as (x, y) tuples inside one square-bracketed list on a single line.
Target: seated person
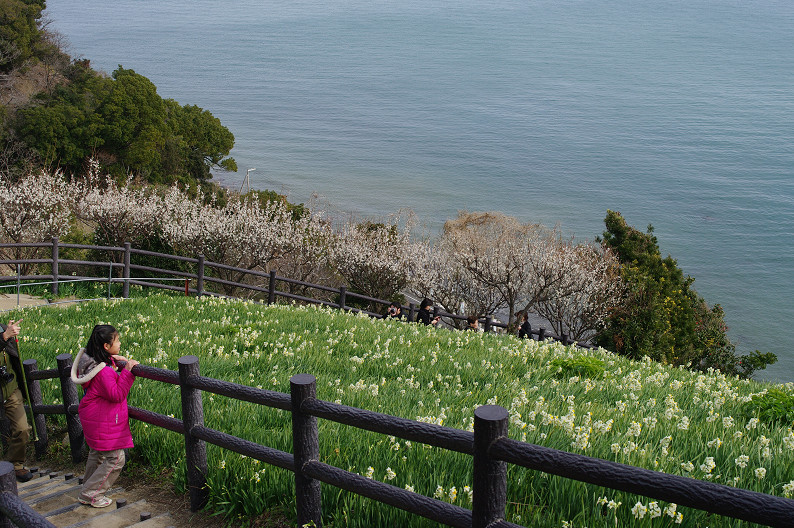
[(524, 328), (394, 312), (473, 323)]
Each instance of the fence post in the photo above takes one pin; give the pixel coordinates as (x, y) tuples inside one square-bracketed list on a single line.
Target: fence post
[(342, 297), (411, 312), (541, 333), (306, 447), (69, 392), (488, 323), (271, 288), (195, 449), (200, 277), (34, 389), (126, 290), (110, 277), (490, 476), (55, 271), (8, 484)]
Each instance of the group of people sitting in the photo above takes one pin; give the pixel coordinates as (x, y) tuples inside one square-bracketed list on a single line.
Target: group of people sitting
[(425, 316)]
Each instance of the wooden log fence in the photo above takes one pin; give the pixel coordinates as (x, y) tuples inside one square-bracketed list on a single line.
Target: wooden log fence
[(13, 510), (201, 277), (490, 448)]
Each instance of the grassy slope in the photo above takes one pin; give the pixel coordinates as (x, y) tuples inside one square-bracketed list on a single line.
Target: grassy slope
[(634, 413)]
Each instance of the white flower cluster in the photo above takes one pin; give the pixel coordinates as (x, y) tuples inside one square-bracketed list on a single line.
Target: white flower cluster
[(34, 209), (653, 510), (480, 263), (486, 261)]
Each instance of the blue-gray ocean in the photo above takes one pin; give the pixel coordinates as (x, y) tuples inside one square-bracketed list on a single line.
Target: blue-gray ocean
[(678, 114)]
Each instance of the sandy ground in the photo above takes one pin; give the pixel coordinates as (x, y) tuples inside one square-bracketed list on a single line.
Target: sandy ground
[(10, 301)]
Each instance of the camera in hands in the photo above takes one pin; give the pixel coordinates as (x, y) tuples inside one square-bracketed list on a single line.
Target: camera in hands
[(5, 376)]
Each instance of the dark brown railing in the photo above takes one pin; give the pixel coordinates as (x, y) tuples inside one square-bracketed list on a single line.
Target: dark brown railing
[(13, 510), (124, 266), (490, 448)]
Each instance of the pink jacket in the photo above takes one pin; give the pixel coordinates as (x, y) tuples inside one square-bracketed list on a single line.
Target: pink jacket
[(103, 409)]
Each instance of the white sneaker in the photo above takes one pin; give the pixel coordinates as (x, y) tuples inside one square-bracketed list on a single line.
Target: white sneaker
[(97, 502)]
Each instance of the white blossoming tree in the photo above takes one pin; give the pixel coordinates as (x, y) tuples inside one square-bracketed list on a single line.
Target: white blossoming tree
[(373, 257), (589, 286), (482, 262), (243, 234), (117, 213), (438, 274), (306, 255), (505, 255), (34, 209)]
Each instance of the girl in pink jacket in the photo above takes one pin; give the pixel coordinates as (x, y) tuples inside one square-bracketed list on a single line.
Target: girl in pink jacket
[(103, 411)]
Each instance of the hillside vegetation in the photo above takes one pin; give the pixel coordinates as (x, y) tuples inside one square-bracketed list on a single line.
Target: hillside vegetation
[(62, 123), (617, 292), (57, 112), (703, 425)]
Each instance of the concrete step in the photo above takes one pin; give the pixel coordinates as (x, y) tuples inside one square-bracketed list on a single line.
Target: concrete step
[(105, 517), (163, 520), (54, 498), (40, 480), (46, 488), (73, 512), (55, 495), (67, 501)]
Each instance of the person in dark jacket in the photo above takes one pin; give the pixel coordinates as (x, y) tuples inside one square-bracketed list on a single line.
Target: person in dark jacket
[(425, 315), (13, 403), (394, 312), (473, 323), (524, 329)]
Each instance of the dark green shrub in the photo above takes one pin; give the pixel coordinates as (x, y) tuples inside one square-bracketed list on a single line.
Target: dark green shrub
[(776, 405), (582, 366), (662, 315)]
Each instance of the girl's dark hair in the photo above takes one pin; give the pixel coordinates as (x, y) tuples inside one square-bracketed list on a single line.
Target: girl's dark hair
[(101, 336), (425, 303)]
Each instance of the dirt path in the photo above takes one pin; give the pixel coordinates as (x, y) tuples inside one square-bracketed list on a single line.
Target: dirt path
[(9, 301)]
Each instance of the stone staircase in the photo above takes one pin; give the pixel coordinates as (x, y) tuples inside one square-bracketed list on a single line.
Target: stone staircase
[(55, 496)]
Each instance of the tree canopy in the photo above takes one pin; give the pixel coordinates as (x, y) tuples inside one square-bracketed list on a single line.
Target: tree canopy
[(80, 113), (124, 123), (662, 316), (19, 32)]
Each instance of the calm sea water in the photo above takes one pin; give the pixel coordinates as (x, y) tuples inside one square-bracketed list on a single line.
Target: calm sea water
[(678, 114)]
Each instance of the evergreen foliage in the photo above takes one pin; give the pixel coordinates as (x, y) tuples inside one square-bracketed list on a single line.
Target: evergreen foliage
[(582, 366), (120, 120), (123, 122), (20, 37), (775, 406), (662, 316)]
